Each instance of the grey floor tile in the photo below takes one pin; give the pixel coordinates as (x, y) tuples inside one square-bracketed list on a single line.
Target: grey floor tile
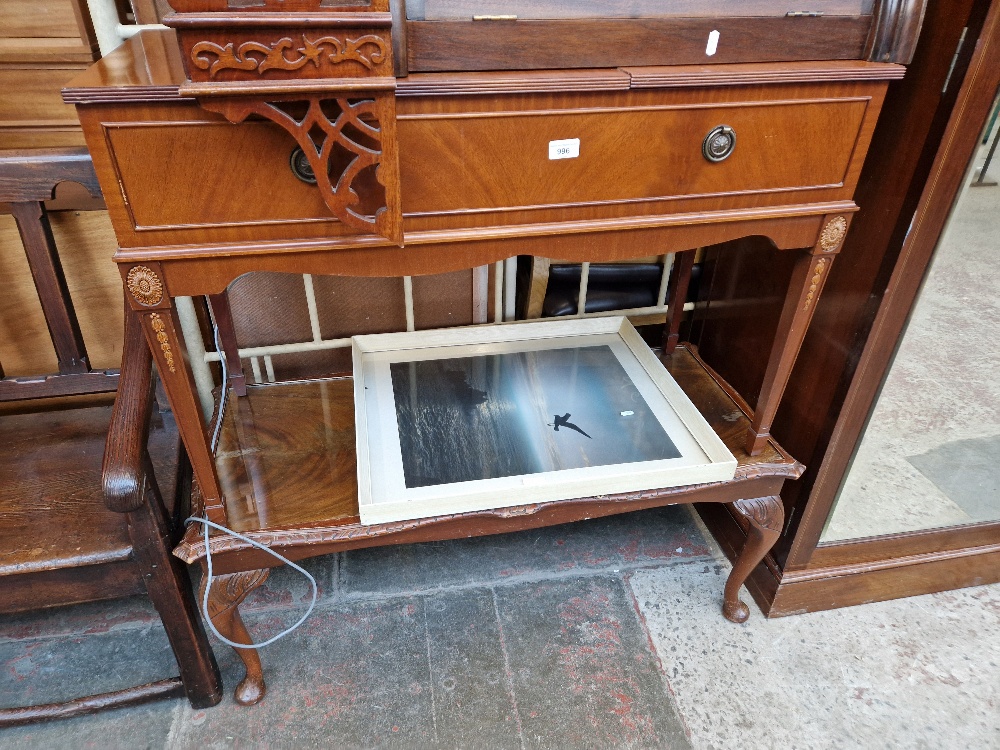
[(137, 728), (92, 618), (967, 472), (352, 677), (582, 669), (649, 537), (473, 705), (59, 669), (917, 673)]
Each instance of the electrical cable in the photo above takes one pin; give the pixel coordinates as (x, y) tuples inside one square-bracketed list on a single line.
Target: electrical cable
[(211, 524), (208, 584), (223, 399)]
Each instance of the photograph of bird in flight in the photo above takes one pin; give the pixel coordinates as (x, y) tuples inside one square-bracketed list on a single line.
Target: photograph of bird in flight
[(563, 421), (520, 413)]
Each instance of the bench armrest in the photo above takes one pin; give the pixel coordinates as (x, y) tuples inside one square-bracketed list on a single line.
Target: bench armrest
[(125, 467)]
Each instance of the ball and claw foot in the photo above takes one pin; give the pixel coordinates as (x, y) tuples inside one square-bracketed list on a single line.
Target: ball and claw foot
[(765, 517)]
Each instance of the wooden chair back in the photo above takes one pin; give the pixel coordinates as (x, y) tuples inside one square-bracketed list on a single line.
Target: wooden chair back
[(27, 180)]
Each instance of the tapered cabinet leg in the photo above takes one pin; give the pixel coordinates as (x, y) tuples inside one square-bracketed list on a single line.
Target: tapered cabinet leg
[(766, 516), (810, 274), (223, 315), (680, 280), (224, 598), (150, 299)]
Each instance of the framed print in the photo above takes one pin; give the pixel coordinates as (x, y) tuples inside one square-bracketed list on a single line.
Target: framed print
[(487, 417)]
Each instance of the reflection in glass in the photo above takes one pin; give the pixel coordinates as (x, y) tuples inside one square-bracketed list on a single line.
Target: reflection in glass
[(930, 456)]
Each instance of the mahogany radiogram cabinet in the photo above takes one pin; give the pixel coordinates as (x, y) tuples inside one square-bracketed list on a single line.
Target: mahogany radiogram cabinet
[(389, 139)]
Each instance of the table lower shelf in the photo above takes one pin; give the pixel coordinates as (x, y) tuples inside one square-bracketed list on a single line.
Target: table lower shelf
[(286, 464)]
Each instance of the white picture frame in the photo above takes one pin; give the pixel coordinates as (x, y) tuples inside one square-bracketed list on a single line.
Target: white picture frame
[(532, 367)]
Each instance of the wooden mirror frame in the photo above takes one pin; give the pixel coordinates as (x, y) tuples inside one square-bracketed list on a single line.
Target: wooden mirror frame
[(925, 140)]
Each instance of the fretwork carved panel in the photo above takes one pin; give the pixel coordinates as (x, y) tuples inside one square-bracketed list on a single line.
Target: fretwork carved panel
[(342, 51), (349, 145)]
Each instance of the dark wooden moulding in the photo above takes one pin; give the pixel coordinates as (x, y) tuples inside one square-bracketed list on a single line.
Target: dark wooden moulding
[(256, 81), (460, 35)]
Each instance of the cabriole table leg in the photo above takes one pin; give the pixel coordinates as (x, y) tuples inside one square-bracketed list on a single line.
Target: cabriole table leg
[(766, 516), (224, 598)]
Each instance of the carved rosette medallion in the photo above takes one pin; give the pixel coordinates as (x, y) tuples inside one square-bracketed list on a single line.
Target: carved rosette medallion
[(161, 335), (145, 286), (814, 282), (833, 234)]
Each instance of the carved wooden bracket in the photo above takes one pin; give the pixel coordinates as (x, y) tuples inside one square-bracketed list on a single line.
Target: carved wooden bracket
[(763, 512), (340, 138)]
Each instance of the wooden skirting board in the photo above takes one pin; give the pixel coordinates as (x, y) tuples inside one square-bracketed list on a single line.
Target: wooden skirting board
[(819, 589)]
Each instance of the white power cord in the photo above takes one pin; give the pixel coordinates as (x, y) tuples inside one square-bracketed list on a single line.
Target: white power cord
[(206, 524), (223, 399), (208, 584)]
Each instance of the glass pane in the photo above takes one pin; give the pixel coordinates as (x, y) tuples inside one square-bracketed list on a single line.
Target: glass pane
[(436, 10), (930, 455)]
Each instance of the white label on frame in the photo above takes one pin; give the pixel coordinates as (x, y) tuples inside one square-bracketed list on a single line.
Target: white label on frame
[(713, 43), (564, 149)]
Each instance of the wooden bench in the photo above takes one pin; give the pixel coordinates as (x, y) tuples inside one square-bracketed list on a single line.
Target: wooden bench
[(71, 529)]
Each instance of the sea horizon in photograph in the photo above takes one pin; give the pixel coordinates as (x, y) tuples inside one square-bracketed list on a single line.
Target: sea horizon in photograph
[(520, 413)]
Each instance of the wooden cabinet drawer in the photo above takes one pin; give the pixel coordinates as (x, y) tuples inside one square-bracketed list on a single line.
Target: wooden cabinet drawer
[(212, 174), (212, 182), (39, 18), (484, 161), (31, 97), (481, 161)]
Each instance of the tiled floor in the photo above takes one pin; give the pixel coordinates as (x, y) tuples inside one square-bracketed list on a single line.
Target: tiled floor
[(596, 635)]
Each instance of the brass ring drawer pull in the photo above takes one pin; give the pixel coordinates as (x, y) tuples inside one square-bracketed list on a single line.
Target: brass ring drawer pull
[(300, 166), (719, 143)]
